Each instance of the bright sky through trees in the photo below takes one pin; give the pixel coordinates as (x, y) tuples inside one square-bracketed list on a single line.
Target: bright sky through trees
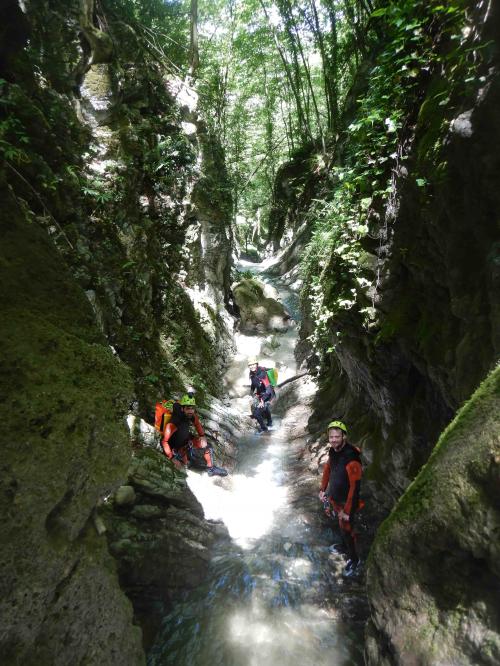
[(272, 78)]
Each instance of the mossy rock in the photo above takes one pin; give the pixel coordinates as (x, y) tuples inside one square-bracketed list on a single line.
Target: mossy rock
[(433, 574), (65, 445), (257, 311)]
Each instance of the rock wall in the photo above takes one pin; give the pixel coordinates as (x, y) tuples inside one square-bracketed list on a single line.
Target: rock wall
[(435, 262), (433, 573), (108, 151), (65, 446), (108, 183), (157, 532), (418, 327)]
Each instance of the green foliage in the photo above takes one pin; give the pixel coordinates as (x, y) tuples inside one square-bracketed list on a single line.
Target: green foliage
[(13, 136), (272, 77), (163, 27), (419, 40), (97, 191), (170, 153)]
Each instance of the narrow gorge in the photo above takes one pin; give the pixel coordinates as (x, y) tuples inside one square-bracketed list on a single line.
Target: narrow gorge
[(187, 188)]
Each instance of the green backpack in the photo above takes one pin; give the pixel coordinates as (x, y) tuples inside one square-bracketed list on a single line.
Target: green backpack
[(272, 374)]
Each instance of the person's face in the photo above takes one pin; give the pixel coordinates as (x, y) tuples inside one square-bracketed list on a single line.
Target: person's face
[(188, 410), (253, 367), (336, 438)]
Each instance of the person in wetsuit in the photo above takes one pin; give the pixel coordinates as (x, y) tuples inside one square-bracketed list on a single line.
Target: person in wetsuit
[(263, 392), (184, 431), (340, 487)]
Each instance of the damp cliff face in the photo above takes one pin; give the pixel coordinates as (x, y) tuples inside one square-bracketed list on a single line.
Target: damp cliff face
[(433, 573), (401, 283), (113, 196), (415, 342), (65, 446), (109, 153), (401, 324)]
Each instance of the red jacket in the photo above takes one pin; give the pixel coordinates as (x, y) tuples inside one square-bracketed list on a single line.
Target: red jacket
[(171, 428), (354, 474)]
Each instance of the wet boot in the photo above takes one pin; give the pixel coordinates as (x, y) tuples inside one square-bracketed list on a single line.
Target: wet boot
[(352, 554), (216, 471)]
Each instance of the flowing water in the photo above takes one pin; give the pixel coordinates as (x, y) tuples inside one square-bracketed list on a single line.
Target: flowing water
[(274, 593)]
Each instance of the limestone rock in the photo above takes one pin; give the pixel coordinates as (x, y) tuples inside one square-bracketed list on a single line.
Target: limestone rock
[(64, 446), (162, 544), (259, 312), (153, 475), (433, 573), (142, 432)]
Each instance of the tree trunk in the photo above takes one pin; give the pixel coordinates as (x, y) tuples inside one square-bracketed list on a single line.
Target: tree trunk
[(194, 55)]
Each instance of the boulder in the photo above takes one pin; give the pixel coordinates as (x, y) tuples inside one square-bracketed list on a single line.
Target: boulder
[(142, 432), (259, 313), (162, 543)]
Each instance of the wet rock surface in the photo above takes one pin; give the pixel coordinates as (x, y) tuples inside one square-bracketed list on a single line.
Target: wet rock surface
[(161, 541), (64, 447), (433, 574), (259, 312)]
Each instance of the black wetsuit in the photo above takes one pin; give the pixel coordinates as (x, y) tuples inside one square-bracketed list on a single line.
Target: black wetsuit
[(262, 389)]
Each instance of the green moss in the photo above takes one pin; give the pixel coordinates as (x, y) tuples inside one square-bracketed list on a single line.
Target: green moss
[(398, 322), (248, 290), (431, 125), (451, 464), (63, 393)]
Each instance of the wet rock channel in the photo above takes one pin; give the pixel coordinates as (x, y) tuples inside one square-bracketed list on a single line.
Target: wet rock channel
[(274, 593)]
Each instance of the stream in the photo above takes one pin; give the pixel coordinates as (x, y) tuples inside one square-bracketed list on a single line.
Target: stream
[(274, 592)]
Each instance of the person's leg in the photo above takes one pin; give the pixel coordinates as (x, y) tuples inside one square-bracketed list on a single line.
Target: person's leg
[(182, 453), (337, 545), (269, 418), (259, 417), (208, 454), (349, 540), (201, 444)]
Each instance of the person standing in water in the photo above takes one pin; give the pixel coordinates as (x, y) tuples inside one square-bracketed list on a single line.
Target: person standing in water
[(261, 388), (340, 487)]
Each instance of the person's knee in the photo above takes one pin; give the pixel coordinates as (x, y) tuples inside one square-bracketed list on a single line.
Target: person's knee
[(200, 443)]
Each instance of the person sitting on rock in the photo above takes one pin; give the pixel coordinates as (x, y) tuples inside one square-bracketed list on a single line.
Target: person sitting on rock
[(184, 432), (261, 388), (340, 487)]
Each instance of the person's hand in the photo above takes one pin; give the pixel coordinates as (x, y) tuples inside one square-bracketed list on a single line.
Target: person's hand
[(261, 403), (203, 442), (322, 495), (344, 516)]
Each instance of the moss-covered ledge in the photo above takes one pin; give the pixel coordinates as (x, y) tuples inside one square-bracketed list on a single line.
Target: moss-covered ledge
[(434, 568)]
